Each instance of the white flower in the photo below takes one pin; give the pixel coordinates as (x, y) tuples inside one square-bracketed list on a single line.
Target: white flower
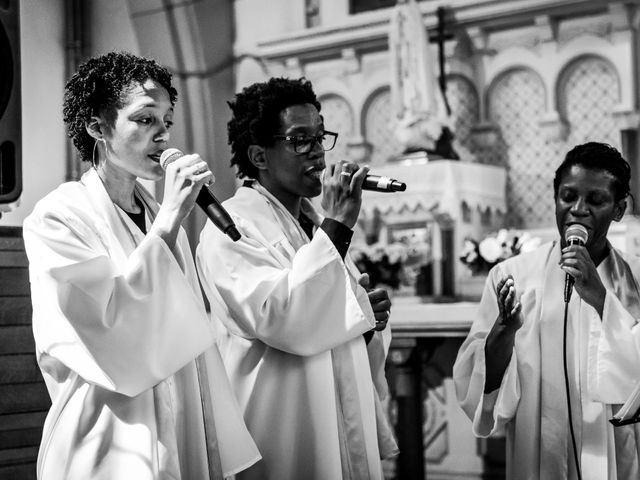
[(471, 256), (494, 249), (502, 236), (468, 247), (490, 249), (522, 239), (376, 252)]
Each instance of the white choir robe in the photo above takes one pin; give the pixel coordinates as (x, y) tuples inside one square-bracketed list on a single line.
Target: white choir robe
[(120, 325), (530, 406), (310, 388)]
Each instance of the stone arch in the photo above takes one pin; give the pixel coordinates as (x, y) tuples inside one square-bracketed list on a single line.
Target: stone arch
[(377, 126), (516, 102), (338, 117), (587, 92), (507, 73)]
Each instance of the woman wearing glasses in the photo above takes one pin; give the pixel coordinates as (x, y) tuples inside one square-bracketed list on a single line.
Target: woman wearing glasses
[(309, 383)]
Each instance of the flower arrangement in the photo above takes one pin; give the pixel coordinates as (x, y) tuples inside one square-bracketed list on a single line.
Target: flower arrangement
[(481, 256), (393, 264)]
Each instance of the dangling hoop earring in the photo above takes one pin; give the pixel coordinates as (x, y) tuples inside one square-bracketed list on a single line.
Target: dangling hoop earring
[(95, 162)]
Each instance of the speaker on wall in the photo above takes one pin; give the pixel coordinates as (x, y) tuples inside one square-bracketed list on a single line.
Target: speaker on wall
[(10, 115)]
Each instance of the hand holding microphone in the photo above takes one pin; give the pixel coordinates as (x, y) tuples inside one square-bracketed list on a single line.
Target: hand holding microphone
[(580, 268), (205, 199), (342, 191), (575, 234)]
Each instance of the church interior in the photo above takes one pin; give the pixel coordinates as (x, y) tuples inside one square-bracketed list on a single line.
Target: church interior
[(472, 103)]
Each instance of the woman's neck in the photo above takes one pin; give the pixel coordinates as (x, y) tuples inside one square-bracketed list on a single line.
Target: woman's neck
[(291, 204), (599, 252), (120, 187), (290, 201)]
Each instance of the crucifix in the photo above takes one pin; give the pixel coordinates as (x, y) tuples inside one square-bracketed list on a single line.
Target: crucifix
[(444, 147), (439, 37), (418, 93)]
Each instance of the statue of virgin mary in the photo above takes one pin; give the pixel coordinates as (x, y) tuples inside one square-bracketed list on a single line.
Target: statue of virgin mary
[(419, 114)]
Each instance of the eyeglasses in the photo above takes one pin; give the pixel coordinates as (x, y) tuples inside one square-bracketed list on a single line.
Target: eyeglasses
[(305, 143)]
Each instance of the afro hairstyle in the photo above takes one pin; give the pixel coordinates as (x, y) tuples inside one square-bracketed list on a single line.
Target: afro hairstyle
[(100, 87), (256, 116)]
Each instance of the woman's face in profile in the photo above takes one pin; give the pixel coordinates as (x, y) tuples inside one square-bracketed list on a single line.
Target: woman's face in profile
[(141, 131), (587, 197)]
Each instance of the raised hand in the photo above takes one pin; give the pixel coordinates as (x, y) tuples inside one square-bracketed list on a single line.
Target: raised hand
[(342, 191), (500, 340), (508, 306)]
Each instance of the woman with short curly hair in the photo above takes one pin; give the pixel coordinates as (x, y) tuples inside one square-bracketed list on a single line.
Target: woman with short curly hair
[(306, 343), (256, 116), (123, 341)]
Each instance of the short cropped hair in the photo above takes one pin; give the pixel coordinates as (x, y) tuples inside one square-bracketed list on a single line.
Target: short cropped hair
[(256, 116), (100, 87), (597, 156)]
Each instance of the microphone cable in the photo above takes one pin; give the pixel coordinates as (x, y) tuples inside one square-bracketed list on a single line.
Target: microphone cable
[(566, 384)]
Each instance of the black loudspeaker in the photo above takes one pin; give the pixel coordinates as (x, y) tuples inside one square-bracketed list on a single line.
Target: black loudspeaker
[(10, 114)]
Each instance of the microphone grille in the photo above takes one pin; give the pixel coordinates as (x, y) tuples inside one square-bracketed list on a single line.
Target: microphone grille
[(576, 233), (168, 156)]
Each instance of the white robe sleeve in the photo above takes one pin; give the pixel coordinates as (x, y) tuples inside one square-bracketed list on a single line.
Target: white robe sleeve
[(304, 309), (488, 412), (125, 327), (614, 352)]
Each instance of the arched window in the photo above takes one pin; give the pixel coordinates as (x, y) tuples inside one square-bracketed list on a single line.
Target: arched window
[(338, 117), (516, 105), (588, 91), (378, 130)]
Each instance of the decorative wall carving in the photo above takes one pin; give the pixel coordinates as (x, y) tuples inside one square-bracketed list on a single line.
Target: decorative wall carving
[(516, 104), (377, 128), (588, 94), (580, 85), (527, 38), (599, 27)]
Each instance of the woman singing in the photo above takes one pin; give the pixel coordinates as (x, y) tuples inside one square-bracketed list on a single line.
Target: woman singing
[(122, 336)]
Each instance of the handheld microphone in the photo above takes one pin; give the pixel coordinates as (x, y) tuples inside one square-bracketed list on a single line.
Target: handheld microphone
[(377, 183), (575, 234), (205, 200)]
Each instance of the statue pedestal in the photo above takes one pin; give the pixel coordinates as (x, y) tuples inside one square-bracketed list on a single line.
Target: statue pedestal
[(450, 200)]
